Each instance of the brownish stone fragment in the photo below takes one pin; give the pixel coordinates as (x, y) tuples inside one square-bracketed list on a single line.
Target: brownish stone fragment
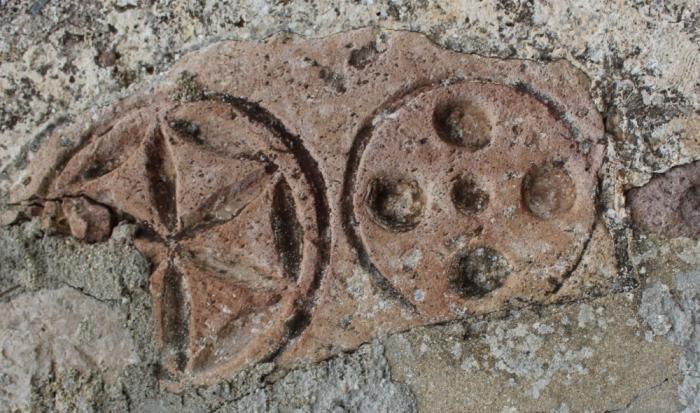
[(670, 203), (87, 221), (297, 197), (52, 218)]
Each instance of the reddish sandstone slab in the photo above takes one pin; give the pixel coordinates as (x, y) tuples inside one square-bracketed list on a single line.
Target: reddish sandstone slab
[(298, 196), (670, 203)]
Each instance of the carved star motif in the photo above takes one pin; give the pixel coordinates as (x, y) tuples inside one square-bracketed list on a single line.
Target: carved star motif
[(217, 221)]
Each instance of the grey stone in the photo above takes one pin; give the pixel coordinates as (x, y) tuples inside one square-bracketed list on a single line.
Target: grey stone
[(358, 382), (675, 316), (61, 344)]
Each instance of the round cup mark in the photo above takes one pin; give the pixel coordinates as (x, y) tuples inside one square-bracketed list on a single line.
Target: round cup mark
[(468, 196), (477, 271), (462, 123), (548, 190), (396, 204)]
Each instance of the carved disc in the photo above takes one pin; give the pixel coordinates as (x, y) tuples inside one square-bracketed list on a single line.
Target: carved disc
[(228, 209), (469, 192)]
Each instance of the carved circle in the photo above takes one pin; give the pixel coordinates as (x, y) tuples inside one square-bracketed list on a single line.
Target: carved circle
[(395, 204), (458, 238), (548, 190), (226, 293)]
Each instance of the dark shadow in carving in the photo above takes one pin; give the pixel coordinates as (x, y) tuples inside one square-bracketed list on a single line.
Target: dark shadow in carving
[(186, 129), (461, 123), (161, 179), (395, 204), (476, 272), (288, 233), (175, 317), (468, 196), (312, 174)]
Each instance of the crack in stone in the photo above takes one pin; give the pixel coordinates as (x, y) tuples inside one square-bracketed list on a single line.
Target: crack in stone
[(639, 394), (9, 291), (87, 294)]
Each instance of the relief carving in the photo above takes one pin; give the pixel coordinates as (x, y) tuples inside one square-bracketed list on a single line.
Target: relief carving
[(298, 197)]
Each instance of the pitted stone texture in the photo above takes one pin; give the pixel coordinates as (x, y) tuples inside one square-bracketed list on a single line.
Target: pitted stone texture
[(670, 203), (297, 197), (538, 182)]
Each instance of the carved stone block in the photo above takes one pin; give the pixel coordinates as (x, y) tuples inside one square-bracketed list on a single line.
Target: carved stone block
[(297, 197)]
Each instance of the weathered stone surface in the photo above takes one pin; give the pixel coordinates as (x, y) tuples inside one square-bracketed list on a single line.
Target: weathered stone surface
[(32, 260), (48, 345), (356, 382), (669, 303), (58, 59), (579, 357), (670, 203), (359, 382), (278, 193)]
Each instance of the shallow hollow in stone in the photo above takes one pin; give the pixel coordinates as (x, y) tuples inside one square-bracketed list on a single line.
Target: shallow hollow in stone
[(468, 196), (477, 271), (395, 204), (548, 190), (462, 123)]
